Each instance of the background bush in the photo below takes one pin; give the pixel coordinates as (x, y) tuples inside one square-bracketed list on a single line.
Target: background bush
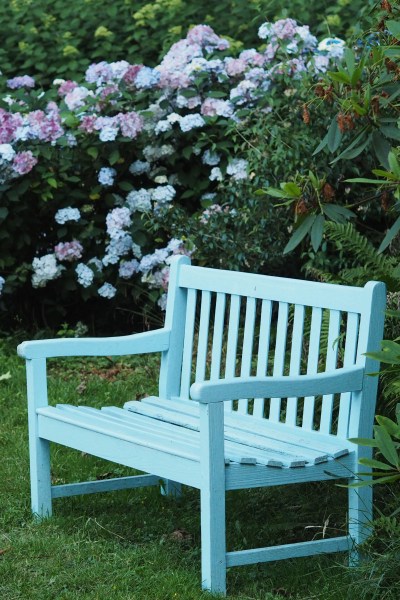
[(53, 38)]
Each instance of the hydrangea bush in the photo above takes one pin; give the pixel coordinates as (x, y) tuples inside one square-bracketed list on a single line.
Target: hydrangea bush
[(92, 170)]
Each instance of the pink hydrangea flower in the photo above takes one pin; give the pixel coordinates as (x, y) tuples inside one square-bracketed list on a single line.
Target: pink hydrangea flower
[(9, 123), (130, 123), (23, 162), (215, 106), (68, 251), (88, 123), (66, 87), (45, 126), (235, 66), (285, 29), (130, 74), (76, 98)]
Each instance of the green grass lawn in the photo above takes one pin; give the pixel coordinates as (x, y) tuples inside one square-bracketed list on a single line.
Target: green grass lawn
[(137, 544)]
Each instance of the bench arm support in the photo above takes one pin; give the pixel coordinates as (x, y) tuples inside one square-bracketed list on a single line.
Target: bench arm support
[(348, 379), (138, 343)]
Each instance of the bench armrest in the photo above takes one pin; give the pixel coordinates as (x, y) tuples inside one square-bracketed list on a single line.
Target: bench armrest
[(347, 379), (138, 343)]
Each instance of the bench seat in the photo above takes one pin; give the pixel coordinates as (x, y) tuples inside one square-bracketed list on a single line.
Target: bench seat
[(157, 424)]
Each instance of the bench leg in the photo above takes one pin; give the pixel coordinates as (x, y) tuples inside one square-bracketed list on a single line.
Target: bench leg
[(39, 449), (213, 553), (360, 517), (171, 488), (212, 498), (40, 478)]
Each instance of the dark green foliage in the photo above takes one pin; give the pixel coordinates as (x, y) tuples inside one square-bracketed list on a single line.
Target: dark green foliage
[(54, 38)]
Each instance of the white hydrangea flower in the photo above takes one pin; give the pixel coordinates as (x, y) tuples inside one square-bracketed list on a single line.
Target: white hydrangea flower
[(216, 174), (237, 169), (107, 291), (7, 152), (63, 215), (45, 269), (106, 176), (85, 275), (139, 200), (190, 122), (138, 167)]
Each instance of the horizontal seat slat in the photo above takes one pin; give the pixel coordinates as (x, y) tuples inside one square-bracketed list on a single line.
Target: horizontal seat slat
[(314, 440), (262, 442)]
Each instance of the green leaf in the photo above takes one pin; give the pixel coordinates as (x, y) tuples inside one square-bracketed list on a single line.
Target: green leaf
[(317, 231), (353, 152), (337, 213), (52, 182), (340, 76), (365, 180), (391, 427), (334, 136), (276, 193), (350, 60), (364, 442), (394, 28), (375, 464), (291, 189), (394, 164), (114, 157), (381, 148), (386, 446), (393, 231), (391, 132), (321, 145), (3, 212), (299, 234), (355, 143), (93, 152)]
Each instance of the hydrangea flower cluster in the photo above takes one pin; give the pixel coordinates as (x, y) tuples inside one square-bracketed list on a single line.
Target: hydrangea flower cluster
[(14, 164), (2, 282), (63, 215), (45, 269), (68, 251), (195, 86), (23, 81)]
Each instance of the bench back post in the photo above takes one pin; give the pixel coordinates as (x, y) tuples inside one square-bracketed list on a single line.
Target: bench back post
[(371, 330), (171, 359)]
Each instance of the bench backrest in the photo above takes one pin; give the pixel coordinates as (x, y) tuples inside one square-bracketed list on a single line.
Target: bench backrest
[(227, 324)]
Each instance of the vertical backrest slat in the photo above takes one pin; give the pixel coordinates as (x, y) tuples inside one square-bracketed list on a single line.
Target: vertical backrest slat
[(188, 343), (349, 360), (279, 356), (202, 346), (263, 349), (247, 351), (295, 359), (312, 365), (231, 346), (331, 360), (219, 321)]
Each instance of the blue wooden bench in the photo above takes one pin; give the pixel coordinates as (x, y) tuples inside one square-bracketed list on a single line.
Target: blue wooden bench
[(262, 382)]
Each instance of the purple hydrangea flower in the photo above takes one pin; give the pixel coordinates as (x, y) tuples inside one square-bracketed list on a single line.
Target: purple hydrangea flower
[(23, 81)]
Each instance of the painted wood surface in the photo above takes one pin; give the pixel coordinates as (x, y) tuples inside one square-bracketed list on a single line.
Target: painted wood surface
[(245, 372), (339, 380), (139, 343)]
